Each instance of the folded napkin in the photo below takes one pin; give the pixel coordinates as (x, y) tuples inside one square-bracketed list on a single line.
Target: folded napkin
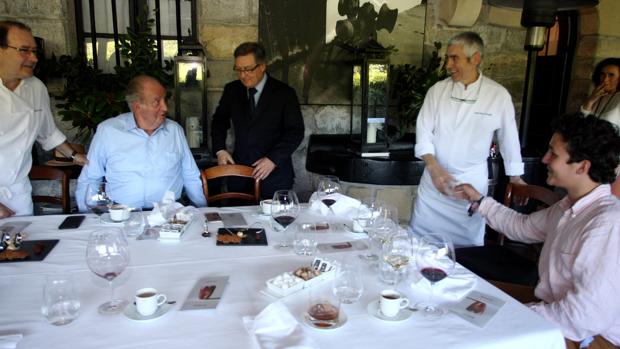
[(164, 210), (457, 285), (275, 327), (9, 341), (344, 207)]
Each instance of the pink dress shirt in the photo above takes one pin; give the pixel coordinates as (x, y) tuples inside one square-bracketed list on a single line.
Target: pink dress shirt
[(579, 262)]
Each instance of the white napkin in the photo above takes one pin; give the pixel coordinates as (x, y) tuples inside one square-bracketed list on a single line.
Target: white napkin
[(164, 210), (9, 341), (344, 207), (275, 327), (451, 289)]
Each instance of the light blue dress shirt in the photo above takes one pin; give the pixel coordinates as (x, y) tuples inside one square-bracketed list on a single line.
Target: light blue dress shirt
[(140, 168)]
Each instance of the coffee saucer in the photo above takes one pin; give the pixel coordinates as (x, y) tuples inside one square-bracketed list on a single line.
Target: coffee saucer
[(105, 219), (373, 310), (132, 313), (342, 319)]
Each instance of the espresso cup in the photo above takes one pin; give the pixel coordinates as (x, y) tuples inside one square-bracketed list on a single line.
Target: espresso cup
[(265, 206), (148, 300), (119, 213), (391, 302)]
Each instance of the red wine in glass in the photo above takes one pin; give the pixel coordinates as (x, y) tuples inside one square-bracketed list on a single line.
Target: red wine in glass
[(285, 221), (108, 276), (328, 202), (433, 274)]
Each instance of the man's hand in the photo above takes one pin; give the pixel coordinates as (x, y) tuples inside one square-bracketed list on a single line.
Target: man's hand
[(5, 211), (467, 192), (518, 200), (263, 168), (223, 158), (80, 159), (443, 181)]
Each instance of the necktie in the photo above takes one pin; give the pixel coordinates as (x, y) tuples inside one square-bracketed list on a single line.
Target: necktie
[(251, 104)]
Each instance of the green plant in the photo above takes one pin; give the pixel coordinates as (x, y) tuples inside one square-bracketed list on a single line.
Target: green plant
[(409, 85), (90, 96)]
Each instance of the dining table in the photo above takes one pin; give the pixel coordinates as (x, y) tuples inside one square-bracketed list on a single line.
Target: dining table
[(174, 266)]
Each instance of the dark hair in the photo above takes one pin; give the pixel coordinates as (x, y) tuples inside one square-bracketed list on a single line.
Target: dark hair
[(5, 26), (593, 139), (596, 75), (251, 48)]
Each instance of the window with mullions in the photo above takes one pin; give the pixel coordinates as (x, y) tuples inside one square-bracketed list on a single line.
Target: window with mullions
[(100, 23)]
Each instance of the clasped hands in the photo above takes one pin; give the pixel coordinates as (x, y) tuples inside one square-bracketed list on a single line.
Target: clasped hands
[(262, 167)]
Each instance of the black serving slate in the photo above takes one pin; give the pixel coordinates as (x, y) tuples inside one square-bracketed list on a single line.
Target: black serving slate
[(37, 250), (253, 236)]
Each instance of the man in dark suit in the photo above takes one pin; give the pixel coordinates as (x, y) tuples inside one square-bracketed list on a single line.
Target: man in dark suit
[(267, 122)]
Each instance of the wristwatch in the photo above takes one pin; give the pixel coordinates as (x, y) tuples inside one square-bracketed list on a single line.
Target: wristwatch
[(73, 154), (474, 206)]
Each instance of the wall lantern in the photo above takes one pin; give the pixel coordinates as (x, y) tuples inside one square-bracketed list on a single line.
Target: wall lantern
[(190, 96)]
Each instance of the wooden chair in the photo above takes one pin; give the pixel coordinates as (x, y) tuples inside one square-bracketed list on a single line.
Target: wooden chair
[(511, 266), (52, 173), (222, 171)]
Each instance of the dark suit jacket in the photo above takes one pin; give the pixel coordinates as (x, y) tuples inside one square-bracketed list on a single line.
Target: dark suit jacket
[(275, 131)]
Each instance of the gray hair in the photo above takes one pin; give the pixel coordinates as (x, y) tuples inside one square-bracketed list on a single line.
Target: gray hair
[(471, 42), (133, 92)]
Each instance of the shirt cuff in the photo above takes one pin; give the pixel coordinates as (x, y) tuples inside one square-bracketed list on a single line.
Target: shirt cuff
[(514, 168)]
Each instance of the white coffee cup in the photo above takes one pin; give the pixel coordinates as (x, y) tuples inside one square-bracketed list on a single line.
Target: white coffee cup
[(391, 302), (119, 213), (265, 206), (148, 300)]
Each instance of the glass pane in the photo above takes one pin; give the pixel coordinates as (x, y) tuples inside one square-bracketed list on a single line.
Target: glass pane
[(190, 92), (186, 18), (106, 60), (377, 102), (168, 16), (122, 16), (103, 16), (170, 47), (86, 16), (357, 100)]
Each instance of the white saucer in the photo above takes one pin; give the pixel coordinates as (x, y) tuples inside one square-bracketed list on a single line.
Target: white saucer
[(373, 310), (105, 218), (342, 319), (132, 313)]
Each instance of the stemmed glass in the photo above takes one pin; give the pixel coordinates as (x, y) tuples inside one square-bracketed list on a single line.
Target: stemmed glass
[(284, 210), (107, 255), (382, 228), (96, 198), (397, 255), (327, 186), (435, 260)]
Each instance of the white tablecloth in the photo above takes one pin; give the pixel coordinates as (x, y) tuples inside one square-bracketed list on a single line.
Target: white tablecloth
[(174, 267)]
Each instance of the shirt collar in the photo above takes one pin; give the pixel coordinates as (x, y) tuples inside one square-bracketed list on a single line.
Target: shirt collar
[(597, 193), (261, 85), (130, 123)]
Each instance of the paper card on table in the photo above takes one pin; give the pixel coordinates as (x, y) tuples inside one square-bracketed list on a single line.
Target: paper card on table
[(344, 246), (477, 308), (206, 293), (233, 219)]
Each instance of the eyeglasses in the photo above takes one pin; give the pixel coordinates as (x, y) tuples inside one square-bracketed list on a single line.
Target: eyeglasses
[(245, 70), (465, 100), (24, 51)]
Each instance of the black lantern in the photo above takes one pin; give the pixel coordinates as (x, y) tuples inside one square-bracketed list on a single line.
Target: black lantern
[(369, 101), (190, 96)]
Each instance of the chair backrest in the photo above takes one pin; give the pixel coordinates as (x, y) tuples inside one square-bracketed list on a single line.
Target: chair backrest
[(537, 198), (52, 173), (221, 171)]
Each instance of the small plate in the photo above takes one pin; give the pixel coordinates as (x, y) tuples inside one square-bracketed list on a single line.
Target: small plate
[(342, 319), (105, 218), (132, 313), (373, 310)]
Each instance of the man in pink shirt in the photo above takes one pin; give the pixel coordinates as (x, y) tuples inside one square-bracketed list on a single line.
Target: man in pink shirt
[(579, 288)]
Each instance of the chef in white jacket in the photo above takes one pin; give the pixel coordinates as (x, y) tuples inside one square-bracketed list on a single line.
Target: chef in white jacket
[(454, 132), (25, 116)]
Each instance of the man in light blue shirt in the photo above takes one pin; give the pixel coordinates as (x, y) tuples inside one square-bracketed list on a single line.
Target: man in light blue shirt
[(141, 154)]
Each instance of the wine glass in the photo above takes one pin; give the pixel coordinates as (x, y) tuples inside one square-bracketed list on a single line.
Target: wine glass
[(327, 186), (435, 260), (107, 256), (284, 210), (96, 198), (397, 255), (348, 285), (383, 227)]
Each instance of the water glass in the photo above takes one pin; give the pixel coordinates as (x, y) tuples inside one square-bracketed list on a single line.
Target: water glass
[(61, 304), (305, 239), (348, 285), (135, 224)]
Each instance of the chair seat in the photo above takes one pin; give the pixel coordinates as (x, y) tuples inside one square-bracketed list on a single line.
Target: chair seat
[(499, 263)]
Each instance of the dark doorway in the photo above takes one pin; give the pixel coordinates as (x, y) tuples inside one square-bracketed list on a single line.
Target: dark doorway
[(551, 81)]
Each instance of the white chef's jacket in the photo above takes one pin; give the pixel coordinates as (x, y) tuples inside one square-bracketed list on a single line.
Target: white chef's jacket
[(25, 116), (456, 125)]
